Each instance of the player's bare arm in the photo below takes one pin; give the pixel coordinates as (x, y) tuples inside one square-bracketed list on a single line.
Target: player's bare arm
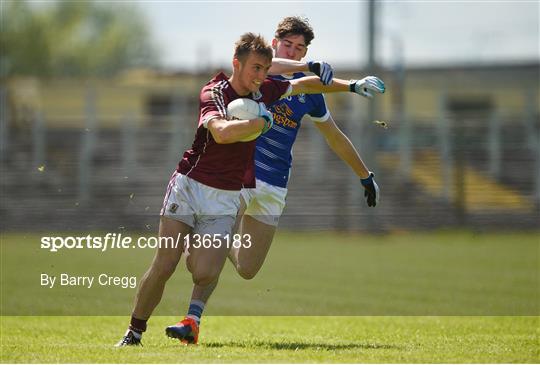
[(343, 147), (284, 66), (312, 85), (230, 131), (322, 69)]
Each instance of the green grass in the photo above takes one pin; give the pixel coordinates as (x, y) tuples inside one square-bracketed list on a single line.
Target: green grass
[(278, 339), (409, 297), (444, 273)]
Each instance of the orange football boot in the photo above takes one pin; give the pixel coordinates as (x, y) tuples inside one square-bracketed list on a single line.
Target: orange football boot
[(187, 331)]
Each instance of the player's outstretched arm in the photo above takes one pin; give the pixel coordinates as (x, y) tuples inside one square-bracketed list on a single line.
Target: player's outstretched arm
[(342, 147), (345, 150), (284, 66), (312, 85)]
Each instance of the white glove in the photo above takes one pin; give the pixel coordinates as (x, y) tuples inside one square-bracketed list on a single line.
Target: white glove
[(368, 84), (264, 113)]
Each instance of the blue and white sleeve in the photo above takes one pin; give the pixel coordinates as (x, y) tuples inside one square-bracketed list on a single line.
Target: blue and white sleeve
[(320, 112)]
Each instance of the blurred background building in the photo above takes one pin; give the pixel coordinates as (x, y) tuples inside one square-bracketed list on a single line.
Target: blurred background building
[(93, 121)]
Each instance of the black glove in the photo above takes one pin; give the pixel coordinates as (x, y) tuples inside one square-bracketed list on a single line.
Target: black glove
[(371, 190), (323, 70)]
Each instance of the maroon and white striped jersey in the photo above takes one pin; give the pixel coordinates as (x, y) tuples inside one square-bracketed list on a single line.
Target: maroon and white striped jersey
[(225, 166)]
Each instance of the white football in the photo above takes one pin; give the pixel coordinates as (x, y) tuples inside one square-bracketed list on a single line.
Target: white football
[(243, 109)]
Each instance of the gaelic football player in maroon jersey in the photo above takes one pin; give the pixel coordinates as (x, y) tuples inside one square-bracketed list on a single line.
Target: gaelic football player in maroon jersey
[(203, 195)]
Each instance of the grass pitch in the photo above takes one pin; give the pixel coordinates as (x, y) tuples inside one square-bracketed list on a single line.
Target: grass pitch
[(278, 340), (454, 297)]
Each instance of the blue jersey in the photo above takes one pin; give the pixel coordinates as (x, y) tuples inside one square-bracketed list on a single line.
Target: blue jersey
[(273, 153)]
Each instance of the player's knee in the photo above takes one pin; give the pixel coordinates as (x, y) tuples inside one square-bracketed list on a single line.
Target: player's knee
[(247, 272)]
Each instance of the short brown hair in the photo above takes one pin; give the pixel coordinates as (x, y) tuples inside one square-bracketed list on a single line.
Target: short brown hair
[(297, 26), (249, 42)]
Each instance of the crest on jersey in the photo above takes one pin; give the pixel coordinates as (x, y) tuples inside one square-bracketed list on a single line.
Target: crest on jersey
[(302, 98), (173, 208), (256, 95)]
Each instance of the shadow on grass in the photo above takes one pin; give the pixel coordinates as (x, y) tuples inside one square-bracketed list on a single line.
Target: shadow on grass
[(274, 345)]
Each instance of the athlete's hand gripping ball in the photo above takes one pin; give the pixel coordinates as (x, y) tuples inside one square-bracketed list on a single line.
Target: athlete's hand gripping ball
[(323, 70), (269, 119), (371, 190), (367, 86)]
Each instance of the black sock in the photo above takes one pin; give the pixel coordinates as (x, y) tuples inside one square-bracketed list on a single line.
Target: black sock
[(137, 325)]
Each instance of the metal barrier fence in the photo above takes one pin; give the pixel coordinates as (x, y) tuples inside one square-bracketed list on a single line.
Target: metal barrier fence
[(467, 167)]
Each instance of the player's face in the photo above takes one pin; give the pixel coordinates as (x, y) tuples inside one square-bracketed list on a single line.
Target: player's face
[(291, 47), (252, 72)]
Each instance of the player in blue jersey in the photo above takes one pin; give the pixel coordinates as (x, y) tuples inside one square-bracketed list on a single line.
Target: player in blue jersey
[(262, 206)]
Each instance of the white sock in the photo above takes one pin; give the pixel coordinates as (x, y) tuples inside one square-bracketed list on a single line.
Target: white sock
[(136, 334)]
